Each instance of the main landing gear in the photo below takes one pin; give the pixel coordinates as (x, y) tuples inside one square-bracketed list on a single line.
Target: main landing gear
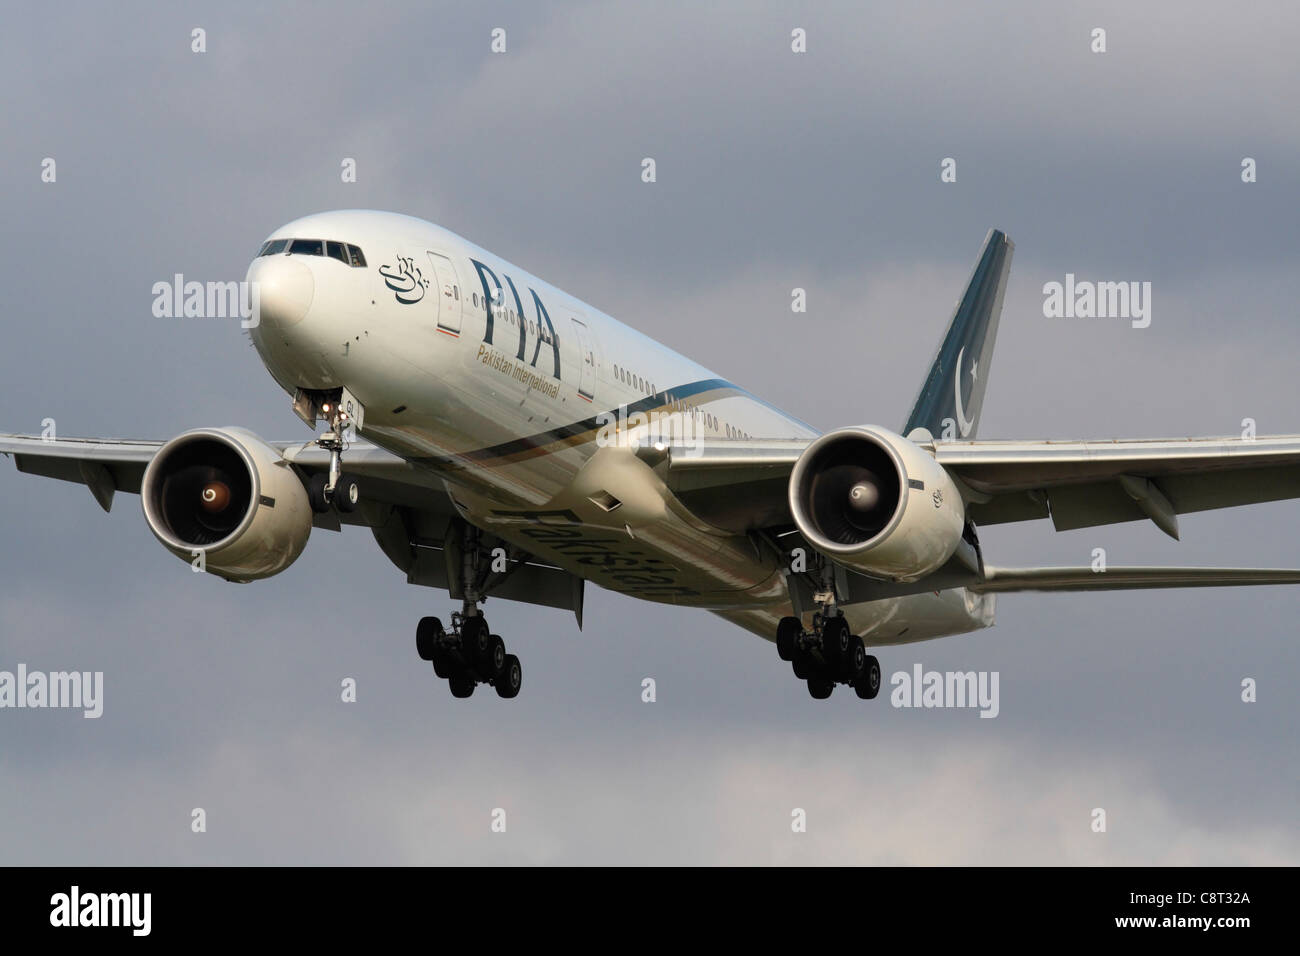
[(469, 655), (828, 655), (334, 489)]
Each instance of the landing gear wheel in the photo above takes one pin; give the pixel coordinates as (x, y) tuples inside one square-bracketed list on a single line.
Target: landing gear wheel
[(347, 493), (855, 661), (462, 684), (443, 666), (835, 639), (787, 633), (802, 664), (427, 633), (474, 638), (320, 502), (820, 687), (867, 686), (512, 676), (493, 661)]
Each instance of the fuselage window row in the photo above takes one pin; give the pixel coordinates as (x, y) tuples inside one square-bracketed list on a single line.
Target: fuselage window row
[(712, 421)]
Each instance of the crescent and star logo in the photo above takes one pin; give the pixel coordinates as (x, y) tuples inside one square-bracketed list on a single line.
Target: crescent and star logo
[(963, 424)]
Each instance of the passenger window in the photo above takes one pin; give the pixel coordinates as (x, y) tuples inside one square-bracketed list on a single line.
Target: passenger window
[(274, 246), (336, 251), (307, 247), (356, 259)]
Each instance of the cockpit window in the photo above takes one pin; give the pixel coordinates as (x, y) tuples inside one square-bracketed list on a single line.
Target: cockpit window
[(307, 247), (344, 253)]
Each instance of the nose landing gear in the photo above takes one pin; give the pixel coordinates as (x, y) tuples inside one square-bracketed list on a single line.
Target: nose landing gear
[(334, 489)]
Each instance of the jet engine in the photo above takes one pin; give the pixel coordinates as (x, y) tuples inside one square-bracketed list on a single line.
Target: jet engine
[(877, 503), (229, 498)]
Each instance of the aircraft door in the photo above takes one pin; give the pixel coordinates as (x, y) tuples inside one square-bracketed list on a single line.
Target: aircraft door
[(586, 360), (448, 289)]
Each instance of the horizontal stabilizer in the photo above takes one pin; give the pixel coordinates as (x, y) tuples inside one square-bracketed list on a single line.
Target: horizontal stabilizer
[(1127, 578)]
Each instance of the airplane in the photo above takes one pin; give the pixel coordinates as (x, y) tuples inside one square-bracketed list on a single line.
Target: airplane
[(502, 439)]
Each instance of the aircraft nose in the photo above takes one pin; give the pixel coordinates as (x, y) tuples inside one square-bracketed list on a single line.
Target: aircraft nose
[(285, 288)]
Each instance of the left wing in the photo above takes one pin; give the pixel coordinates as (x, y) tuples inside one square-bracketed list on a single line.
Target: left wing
[(1001, 580), (1081, 484), (741, 485)]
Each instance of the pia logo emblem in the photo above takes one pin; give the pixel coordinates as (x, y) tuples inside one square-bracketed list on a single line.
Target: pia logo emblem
[(405, 279)]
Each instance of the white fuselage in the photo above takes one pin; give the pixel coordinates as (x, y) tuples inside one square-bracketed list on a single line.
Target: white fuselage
[(500, 384)]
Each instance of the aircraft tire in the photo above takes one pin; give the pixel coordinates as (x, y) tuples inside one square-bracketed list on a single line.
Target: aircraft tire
[(462, 684), (820, 687), (510, 679), (787, 633), (867, 686)]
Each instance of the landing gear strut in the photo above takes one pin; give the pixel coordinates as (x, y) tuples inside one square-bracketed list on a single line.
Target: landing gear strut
[(335, 489), (827, 655)]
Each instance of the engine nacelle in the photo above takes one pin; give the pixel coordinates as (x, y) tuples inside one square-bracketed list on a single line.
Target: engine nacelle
[(877, 503), (229, 495)]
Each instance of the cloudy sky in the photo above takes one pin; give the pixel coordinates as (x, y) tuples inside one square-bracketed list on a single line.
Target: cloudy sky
[(775, 170)]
